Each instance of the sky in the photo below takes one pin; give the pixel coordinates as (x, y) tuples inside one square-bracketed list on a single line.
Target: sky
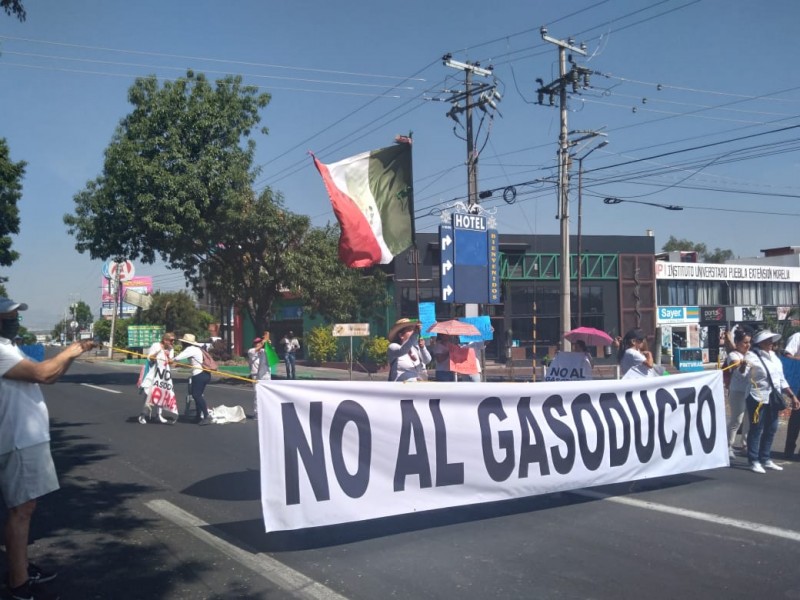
[(699, 101)]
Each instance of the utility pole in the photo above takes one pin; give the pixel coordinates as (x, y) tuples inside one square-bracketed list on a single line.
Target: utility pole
[(559, 87), (474, 96), (114, 312)]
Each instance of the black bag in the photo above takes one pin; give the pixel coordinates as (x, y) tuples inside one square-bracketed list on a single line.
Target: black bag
[(777, 401)]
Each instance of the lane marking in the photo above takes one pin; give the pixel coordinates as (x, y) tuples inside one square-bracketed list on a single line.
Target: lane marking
[(102, 389), (273, 570), (751, 526)]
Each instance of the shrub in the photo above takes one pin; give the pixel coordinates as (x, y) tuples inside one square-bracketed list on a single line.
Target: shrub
[(321, 344), (374, 350)]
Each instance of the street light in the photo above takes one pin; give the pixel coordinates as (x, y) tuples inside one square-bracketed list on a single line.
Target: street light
[(580, 211)]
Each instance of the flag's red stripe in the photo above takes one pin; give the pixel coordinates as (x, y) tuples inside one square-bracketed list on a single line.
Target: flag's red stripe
[(357, 244)]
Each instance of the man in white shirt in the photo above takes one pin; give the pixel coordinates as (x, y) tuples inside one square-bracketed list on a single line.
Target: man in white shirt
[(792, 350), (27, 471)]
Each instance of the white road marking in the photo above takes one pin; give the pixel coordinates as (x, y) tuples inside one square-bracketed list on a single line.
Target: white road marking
[(102, 389), (273, 570), (751, 526)]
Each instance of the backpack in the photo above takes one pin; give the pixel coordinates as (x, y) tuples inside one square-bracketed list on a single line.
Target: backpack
[(209, 363)]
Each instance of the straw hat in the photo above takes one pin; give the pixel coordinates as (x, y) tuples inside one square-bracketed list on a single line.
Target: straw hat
[(399, 326), (189, 338)]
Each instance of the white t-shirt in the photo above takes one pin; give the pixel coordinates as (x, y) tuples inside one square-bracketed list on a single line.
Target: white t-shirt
[(162, 362), (195, 356), (792, 347), (24, 420), (259, 366), (740, 382)]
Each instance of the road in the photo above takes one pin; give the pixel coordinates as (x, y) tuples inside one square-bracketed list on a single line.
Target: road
[(173, 512)]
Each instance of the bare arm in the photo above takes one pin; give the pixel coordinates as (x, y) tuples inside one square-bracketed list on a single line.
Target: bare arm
[(48, 371)]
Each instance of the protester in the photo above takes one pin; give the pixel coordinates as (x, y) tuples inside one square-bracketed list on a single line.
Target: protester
[(634, 355), (738, 367), (259, 368), (27, 471), (290, 345), (473, 368), (441, 354), (766, 377), (199, 379), (408, 355), (792, 351), (159, 356)]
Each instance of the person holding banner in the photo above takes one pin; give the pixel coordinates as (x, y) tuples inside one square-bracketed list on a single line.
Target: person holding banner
[(259, 367), (633, 355), (738, 367), (199, 378), (407, 353), (157, 377), (767, 378)]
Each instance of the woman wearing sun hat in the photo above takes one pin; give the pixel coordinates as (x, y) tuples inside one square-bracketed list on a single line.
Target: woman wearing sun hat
[(200, 378), (766, 375), (407, 353)]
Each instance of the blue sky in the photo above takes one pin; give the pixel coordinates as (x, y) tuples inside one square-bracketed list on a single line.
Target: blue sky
[(699, 99)]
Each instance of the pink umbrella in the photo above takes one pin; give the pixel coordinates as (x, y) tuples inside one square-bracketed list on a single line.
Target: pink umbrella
[(454, 327), (589, 335)]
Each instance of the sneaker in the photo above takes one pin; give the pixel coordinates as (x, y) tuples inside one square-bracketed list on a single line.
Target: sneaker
[(142, 420), (162, 419), (26, 592), (772, 466), (757, 468), (38, 575), (731, 453)]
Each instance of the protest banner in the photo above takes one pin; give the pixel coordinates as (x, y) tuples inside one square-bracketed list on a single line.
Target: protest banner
[(162, 393), (337, 452), (569, 366)]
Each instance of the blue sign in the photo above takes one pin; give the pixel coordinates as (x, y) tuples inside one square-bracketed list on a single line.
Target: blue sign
[(471, 258), (494, 267), (447, 258)]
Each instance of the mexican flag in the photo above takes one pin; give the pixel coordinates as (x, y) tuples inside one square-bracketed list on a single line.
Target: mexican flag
[(372, 197)]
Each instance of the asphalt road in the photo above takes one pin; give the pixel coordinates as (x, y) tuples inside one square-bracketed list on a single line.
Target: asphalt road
[(173, 511)]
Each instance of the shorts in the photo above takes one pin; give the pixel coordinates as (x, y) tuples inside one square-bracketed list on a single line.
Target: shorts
[(27, 474)]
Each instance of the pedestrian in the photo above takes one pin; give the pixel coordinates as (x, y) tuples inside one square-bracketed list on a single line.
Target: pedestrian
[(473, 360), (767, 377), (737, 366), (792, 351), (27, 471), (193, 351), (159, 356), (259, 368), (407, 353), (441, 354), (634, 356), (290, 345)]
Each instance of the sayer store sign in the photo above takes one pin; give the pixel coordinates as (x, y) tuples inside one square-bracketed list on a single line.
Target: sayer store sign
[(334, 452), (678, 314)]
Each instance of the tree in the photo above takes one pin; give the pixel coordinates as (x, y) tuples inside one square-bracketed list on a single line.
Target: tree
[(177, 312), (10, 192), (14, 7), (175, 172), (331, 289), (82, 314), (266, 242), (716, 256)]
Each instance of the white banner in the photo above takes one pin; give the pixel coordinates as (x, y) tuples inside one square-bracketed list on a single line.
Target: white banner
[(569, 366), (336, 452), (720, 272)]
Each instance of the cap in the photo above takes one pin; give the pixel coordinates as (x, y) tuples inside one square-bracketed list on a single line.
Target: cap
[(8, 305), (257, 340)]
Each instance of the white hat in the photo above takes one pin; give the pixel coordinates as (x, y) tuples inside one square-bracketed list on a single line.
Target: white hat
[(765, 335), (7, 305), (189, 338), (400, 325)]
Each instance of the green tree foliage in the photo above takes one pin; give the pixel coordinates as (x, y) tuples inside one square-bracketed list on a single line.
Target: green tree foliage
[(11, 174), (177, 312), (14, 7), (718, 255), (82, 314), (258, 256), (102, 330), (176, 171), (374, 349), (320, 344), (334, 291)]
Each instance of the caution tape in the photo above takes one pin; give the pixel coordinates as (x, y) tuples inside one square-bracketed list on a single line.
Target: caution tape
[(224, 374)]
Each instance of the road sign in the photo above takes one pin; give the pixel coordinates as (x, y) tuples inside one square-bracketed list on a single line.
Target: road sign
[(446, 265), (126, 270), (351, 329)]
